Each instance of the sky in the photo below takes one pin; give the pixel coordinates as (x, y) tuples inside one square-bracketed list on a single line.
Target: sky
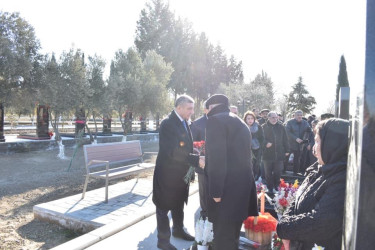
[(286, 39)]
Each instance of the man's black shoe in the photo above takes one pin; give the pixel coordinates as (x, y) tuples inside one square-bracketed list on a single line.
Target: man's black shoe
[(182, 235), (166, 246)]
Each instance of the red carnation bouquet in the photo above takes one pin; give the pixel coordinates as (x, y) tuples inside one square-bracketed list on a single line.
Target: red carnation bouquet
[(260, 228), (198, 148), (266, 223)]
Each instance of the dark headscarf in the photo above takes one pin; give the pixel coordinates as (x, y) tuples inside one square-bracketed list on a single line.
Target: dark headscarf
[(334, 140)]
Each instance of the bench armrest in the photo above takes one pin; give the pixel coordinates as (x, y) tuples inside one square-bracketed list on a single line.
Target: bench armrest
[(149, 153), (96, 161)]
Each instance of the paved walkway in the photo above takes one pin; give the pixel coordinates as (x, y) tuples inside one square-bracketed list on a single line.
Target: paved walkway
[(143, 235), (129, 204)]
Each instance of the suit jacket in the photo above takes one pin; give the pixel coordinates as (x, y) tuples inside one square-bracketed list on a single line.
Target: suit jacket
[(198, 128), (172, 163), (228, 170)]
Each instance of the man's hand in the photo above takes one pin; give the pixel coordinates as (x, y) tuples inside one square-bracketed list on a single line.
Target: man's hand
[(202, 161), (268, 145), (299, 140), (217, 199), (286, 154), (308, 147)]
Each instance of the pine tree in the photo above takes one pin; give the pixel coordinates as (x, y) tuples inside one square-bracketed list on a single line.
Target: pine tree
[(299, 99), (342, 79)]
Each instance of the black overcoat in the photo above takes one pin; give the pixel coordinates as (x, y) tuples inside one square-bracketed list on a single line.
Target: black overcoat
[(172, 163), (275, 134), (228, 169)]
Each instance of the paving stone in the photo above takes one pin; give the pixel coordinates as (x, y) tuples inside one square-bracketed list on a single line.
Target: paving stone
[(128, 201)]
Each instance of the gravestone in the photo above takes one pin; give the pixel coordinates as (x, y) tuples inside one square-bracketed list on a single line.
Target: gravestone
[(107, 123), (42, 118), (360, 200), (143, 124), (2, 138), (80, 122)]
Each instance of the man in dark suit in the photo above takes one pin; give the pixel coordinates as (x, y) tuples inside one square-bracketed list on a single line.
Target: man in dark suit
[(231, 191), (198, 129), (175, 156)]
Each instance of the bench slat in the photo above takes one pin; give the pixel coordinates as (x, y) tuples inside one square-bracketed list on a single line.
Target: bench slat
[(114, 152), (123, 171)]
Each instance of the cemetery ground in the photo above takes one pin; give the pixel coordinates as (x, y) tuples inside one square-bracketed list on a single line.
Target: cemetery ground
[(31, 178)]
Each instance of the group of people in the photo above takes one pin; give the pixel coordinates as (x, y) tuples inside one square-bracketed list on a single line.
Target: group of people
[(235, 151)]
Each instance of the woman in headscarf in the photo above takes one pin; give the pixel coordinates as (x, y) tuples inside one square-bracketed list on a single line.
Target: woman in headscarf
[(257, 139), (316, 216)]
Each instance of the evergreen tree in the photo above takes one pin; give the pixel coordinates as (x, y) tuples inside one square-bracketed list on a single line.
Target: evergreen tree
[(124, 82), (194, 60), (261, 91), (18, 52), (299, 99), (154, 28), (97, 103), (342, 79)]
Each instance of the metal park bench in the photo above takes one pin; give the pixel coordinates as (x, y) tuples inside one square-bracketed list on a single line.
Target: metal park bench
[(107, 156)]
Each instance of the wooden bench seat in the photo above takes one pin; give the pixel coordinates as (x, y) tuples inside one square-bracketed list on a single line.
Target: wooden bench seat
[(102, 162)]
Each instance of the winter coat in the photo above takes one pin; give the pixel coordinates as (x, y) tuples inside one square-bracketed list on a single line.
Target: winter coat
[(296, 130), (172, 164), (276, 135), (316, 216), (228, 169)]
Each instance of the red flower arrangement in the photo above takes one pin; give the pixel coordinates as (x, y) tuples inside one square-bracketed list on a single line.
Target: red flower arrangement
[(266, 223), (199, 147), (285, 195)]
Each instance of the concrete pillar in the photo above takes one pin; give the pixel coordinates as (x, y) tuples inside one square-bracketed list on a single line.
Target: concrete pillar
[(360, 199)]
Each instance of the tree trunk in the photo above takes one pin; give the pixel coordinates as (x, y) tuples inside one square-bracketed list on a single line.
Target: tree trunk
[(96, 125), (55, 126), (2, 137), (122, 122)]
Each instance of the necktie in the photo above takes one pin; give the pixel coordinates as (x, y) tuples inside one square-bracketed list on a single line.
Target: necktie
[(184, 123)]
